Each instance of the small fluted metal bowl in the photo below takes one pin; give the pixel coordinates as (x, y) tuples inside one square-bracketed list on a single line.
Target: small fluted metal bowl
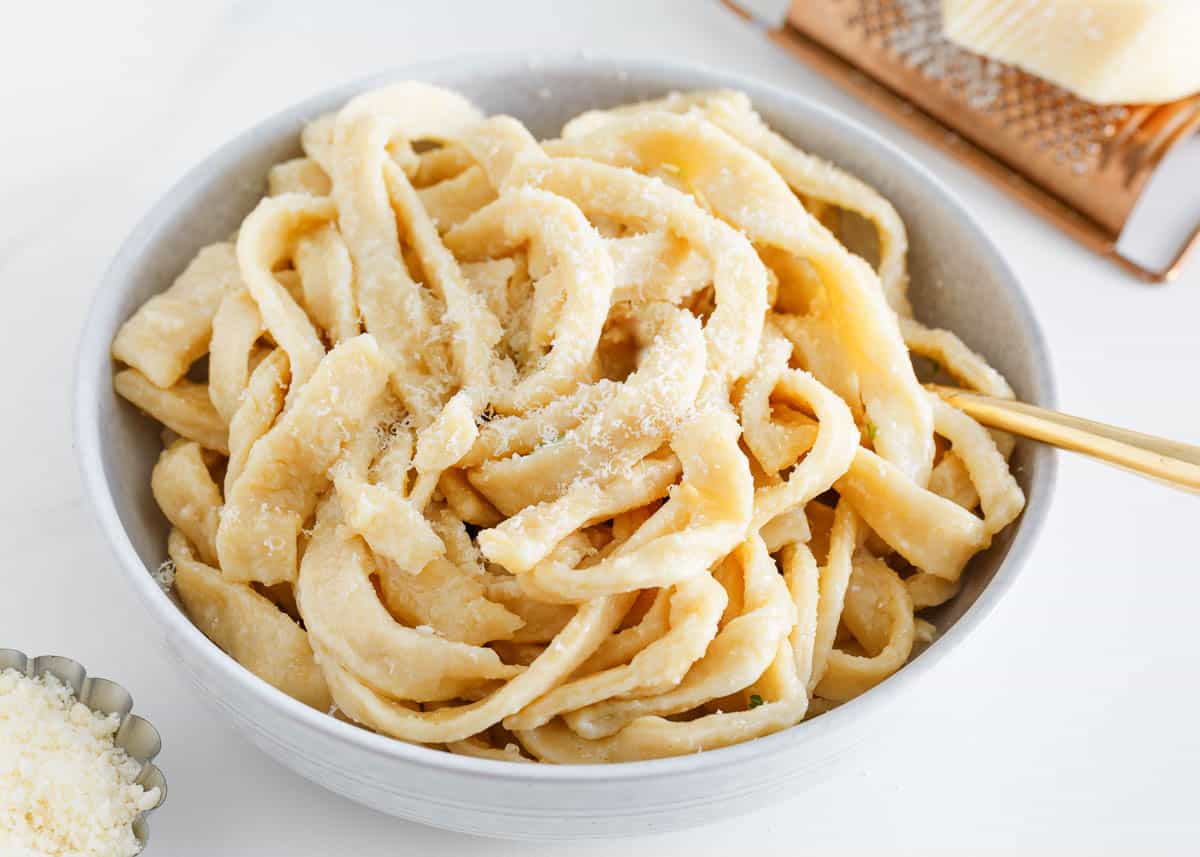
[(136, 735)]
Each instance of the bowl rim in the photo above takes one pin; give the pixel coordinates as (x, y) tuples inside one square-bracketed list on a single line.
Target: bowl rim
[(94, 347)]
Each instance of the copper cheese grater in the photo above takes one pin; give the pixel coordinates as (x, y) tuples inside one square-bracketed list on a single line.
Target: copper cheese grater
[(1080, 165)]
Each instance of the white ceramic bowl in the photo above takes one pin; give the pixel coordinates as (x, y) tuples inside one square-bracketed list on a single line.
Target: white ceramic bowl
[(959, 281)]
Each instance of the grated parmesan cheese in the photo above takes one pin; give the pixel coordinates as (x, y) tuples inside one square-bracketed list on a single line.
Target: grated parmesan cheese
[(65, 789)]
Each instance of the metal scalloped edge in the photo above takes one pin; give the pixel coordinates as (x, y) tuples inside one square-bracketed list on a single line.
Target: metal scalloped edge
[(136, 735)]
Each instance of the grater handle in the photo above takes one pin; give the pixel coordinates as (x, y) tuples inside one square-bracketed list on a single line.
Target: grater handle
[(1159, 275)]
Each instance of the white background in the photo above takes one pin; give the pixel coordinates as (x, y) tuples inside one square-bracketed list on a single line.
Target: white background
[(1066, 723)]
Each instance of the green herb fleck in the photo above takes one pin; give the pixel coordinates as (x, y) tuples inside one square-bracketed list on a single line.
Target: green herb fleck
[(755, 700), (870, 431)]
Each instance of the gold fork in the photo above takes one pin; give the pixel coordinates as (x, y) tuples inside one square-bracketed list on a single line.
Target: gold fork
[(1177, 464)]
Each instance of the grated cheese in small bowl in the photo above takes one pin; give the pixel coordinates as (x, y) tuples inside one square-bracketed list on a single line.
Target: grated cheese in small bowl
[(66, 789)]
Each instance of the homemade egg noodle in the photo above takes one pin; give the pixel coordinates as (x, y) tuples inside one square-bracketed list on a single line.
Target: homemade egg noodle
[(596, 449)]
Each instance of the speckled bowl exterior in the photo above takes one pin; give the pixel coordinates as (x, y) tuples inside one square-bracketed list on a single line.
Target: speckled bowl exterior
[(136, 735), (959, 281)]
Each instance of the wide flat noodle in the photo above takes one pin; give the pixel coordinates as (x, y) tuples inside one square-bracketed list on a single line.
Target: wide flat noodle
[(267, 237), (830, 455), (299, 175), (287, 468), (775, 446), (522, 541), (542, 621), (258, 406), (584, 270), (478, 749), (448, 599), (639, 419), (184, 407), (347, 622), (171, 330), (382, 511), (657, 738), (694, 608), (737, 655), (442, 444), (734, 327), (656, 266), (714, 500), (474, 329), (467, 503), (187, 495), (999, 495), (872, 584), (933, 533), (833, 579), (581, 634), (248, 626), (394, 307), (452, 201), (326, 277), (803, 579), (236, 328)]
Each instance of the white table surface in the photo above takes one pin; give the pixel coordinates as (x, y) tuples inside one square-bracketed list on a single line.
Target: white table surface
[(1066, 723)]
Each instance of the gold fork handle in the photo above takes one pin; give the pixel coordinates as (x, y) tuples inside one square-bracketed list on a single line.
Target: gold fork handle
[(1169, 461)]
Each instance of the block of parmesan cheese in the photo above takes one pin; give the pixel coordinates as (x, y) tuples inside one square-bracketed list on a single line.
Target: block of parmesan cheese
[(1107, 51)]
